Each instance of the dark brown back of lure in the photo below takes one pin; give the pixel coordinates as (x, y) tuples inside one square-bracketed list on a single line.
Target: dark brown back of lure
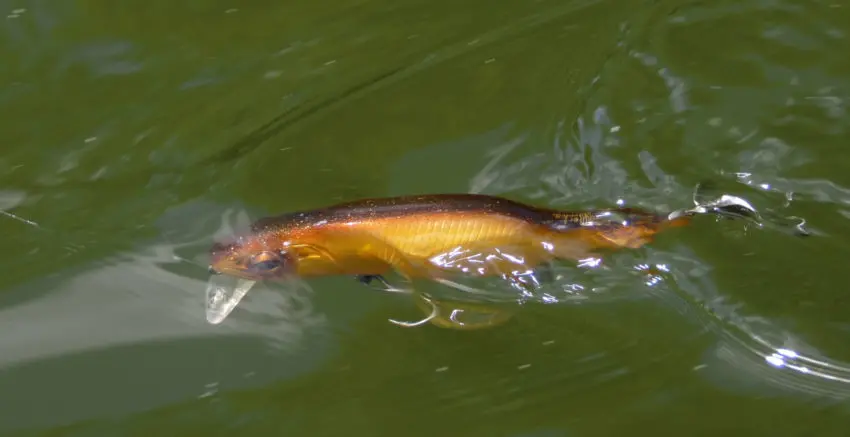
[(399, 208)]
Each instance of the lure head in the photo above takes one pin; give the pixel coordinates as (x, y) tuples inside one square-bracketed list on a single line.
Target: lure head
[(253, 258)]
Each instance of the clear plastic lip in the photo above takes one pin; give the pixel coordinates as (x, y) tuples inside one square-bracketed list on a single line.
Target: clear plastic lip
[(223, 294)]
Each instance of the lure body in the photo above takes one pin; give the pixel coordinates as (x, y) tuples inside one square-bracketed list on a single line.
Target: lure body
[(409, 233), (431, 236)]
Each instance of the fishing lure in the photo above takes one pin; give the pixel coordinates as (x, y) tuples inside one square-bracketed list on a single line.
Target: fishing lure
[(434, 236)]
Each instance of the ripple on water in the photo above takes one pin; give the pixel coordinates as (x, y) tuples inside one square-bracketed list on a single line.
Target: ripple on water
[(792, 99), (587, 168)]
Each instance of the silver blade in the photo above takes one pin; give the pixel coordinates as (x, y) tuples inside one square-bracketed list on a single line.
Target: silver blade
[(223, 294)]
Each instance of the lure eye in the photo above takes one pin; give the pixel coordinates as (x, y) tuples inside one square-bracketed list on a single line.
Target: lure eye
[(266, 262), (266, 265)]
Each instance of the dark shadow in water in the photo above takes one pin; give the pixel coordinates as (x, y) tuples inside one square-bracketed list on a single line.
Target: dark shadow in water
[(291, 117)]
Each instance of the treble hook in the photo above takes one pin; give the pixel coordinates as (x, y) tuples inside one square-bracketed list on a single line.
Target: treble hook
[(434, 312), (696, 191), (728, 206), (724, 206)]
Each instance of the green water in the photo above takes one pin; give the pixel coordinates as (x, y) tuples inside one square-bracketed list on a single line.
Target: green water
[(131, 130)]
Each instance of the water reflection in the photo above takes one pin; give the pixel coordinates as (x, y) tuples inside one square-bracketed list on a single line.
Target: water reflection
[(144, 312), (103, 306)]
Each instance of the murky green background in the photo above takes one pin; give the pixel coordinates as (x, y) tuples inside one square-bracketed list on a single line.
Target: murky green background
[(130, 130)]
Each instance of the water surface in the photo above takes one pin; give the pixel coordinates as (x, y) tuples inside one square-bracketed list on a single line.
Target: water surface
[(132, 132)]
